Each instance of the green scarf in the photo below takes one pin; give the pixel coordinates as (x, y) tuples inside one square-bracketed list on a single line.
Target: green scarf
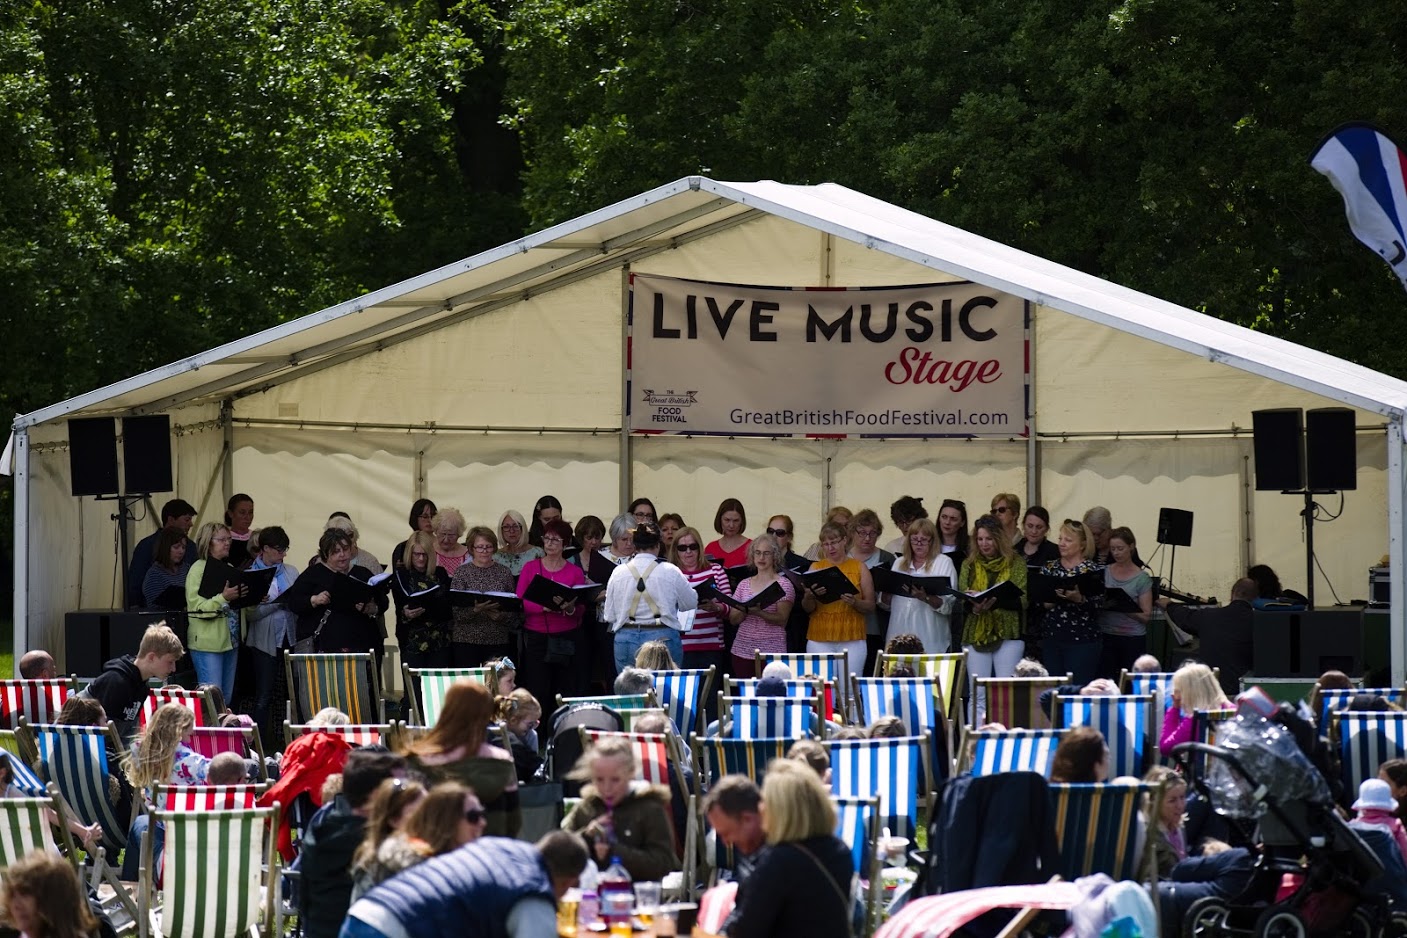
[(985, 628)]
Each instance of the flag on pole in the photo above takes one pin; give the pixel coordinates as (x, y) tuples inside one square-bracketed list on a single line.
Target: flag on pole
[(1370, 172)]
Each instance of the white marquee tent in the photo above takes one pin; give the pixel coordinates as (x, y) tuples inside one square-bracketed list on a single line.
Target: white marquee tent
[(499, 378)]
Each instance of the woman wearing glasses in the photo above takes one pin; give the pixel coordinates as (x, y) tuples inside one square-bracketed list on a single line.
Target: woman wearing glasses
[(703, 645), (1070, 637), (781, 528), (555, 659), (1006, 508), (482, 631), (448, 528), (762, 629), (642, 510), (216, 629), (838, 623), (514, 548)]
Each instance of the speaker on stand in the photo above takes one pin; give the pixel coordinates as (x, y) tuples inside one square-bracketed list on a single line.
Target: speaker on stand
[(1175, 530)]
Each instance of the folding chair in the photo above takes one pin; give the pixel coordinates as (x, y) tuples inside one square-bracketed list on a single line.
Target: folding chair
[(1290, 690), (214, 864), (857, 823), (200, 703), (949, 669), (987, 752), (1097, 825), (1015, 702), (767, 717), (356, 734), (833, 667), (822, 692), (10, 742), (404, 734), (207, 797), (77, 761), (1145, 682), (917, 701), (891, 768), (1125, 721), (645, 701), (36, 701), (1334, 699), (715, 757), (1367, 739), (349, 682), (682, 694), (427, 687), (210, 741), (25, 828), (628, 716)]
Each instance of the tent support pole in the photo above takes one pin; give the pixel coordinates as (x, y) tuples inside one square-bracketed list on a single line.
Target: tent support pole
[(1397, 641), (227, 458), (20, 454), (1033, 453), (626, 467)]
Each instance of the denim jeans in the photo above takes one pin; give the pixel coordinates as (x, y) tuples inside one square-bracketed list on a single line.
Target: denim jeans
[(217, 667), (132, 856), (629, 640)]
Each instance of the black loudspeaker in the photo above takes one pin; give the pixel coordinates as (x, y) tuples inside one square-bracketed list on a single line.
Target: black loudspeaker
[(146, 454), (1175, 527), (85, 634), (1330, 449), (1279, 449), (92, 456)]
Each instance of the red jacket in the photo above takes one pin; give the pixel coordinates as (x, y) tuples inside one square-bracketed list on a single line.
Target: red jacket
[(307, 763)]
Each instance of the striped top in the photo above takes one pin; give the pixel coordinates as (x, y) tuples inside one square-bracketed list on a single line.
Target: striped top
[(756, 634), (158, 580), (707, 633)]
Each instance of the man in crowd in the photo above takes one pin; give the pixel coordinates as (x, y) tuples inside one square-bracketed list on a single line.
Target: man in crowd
[(37, 665), (122, 686), (1225, 632), (644, 597), (733, 809), (178, 514)]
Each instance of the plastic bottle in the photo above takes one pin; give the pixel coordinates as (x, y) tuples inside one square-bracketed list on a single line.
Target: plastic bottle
[(617, 898), (588, 910)]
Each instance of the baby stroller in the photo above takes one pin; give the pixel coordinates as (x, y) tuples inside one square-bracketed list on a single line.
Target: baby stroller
[(1311, 868)]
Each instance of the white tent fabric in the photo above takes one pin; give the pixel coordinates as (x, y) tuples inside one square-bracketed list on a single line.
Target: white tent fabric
[(494, 380)]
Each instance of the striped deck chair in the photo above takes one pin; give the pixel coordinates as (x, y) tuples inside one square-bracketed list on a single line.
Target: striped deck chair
[(349, 682), (645, 701), (1125, 721), (715, 757), (1145, 682), (357, 734), (828, 667), (1335, 699), (210, 741), (25, 828), (918, 701), (77, 761), (628, 716), (949, 669), (822, 692), (1014, 702), (1367, 740), (987, 752), (36, 701), (214, 863), (1096, 826), (682, 694), (427, 688), (857, 823), (207, 797), (10, 742), (890, 768), (200, 703), (653, 752), (767, 717)]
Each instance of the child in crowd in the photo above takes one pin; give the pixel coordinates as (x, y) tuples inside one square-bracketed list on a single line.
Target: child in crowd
[(1376, 807), (521, 713), (1170, 841), (224, 716), (504, 674), (1394, 772), (906, 644), (887, 727), (227, 768), (814, 755), (1030, 667), (655, 656)]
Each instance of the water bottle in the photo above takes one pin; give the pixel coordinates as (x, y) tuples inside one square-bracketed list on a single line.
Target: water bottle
[(617, 898), (588, 910)]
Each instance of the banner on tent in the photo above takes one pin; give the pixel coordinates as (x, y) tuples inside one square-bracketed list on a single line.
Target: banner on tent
[(938, 359)]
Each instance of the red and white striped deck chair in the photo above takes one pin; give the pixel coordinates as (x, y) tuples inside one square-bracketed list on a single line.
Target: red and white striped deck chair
[(652, 753), (197, 702), (945, 915), (207, 797), (36, 701), (243, 741)]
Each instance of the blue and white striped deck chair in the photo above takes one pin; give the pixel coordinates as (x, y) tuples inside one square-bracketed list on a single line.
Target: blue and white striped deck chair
[(1096, 826), (917, 701), (1335, 699), (949, 669), (214, 885), (77, 762), (890, 768), (818, 690), (682, 694), (427, 688), (1367, 739), (1145, 682), (1125, 721), (988, 752), (828, 667), (715, 757), (768, 717), (857, 823)]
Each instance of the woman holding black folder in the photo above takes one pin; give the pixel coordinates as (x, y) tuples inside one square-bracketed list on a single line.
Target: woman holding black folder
[(315, 598), (1070, 639), (923, 613), (422, 621), (482, 631), (838, 622), (762, 629), (1129, 603), (991, 631), (551, 662), (216, 628)]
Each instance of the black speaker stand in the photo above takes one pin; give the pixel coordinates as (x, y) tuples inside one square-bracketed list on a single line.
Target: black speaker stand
[(124, 515), (1307, 513)]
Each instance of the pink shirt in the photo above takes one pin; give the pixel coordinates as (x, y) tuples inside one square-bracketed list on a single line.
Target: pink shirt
[(540, 618), (756, 634), (1377, 817)]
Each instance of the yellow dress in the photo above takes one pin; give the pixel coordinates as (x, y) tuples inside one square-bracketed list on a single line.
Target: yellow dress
[(837, 621)]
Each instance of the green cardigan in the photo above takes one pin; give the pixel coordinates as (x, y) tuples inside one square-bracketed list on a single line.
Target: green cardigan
[(208, 630)]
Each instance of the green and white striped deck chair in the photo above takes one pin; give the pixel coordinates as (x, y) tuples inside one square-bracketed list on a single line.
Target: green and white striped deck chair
[(427, 688), (77, 762), (645, 701), (682, 693), (949, 669), (213, 885), (10, 742), (350, 682), (25, 828)]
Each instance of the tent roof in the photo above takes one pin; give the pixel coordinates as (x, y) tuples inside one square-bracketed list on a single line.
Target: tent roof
[(686, 210)]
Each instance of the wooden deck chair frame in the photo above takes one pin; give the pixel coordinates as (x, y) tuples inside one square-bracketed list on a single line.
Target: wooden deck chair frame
[(415, 688), (92, 805), (14, 695), (914, 717), (678, 709), (303, 706), (207, 797), (205, 714), (1030, 715), (645, 701), (1032, 750), (837, 670), (818, 687), (1123, 760), (713, 758), (1366, 745), (869, 872), (265, 877), (253, 745), (923, 795), (358, 734), (813, 704), (949, 668), (1129, 803)]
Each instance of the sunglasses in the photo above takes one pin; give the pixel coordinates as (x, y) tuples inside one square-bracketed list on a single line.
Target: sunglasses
[(1071, 522), (1003, 510), (686, 547), (778, 532), (474, 815)]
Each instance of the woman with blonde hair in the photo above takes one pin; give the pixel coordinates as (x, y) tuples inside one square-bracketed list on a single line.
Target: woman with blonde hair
[(43, 898), (160, 756), (1194, 687), (991, 634), (655, 656), (621, 816), (422, 630), (925, 615), (448, 527), (515, 550), (216, 628), (802, 884), (1006, 508), (1070, 638), (386, 813), (457, 749)]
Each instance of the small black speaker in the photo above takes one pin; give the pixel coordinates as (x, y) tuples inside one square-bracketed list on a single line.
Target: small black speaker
[(146, 453), (92, 456), (1279, 449), (1330, 449), (1175, 527)]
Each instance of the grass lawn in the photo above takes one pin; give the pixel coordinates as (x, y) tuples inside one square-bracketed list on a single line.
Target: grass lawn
[(7, 650)]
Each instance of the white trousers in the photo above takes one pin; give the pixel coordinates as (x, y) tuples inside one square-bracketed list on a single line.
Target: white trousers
[(1000, 662)]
